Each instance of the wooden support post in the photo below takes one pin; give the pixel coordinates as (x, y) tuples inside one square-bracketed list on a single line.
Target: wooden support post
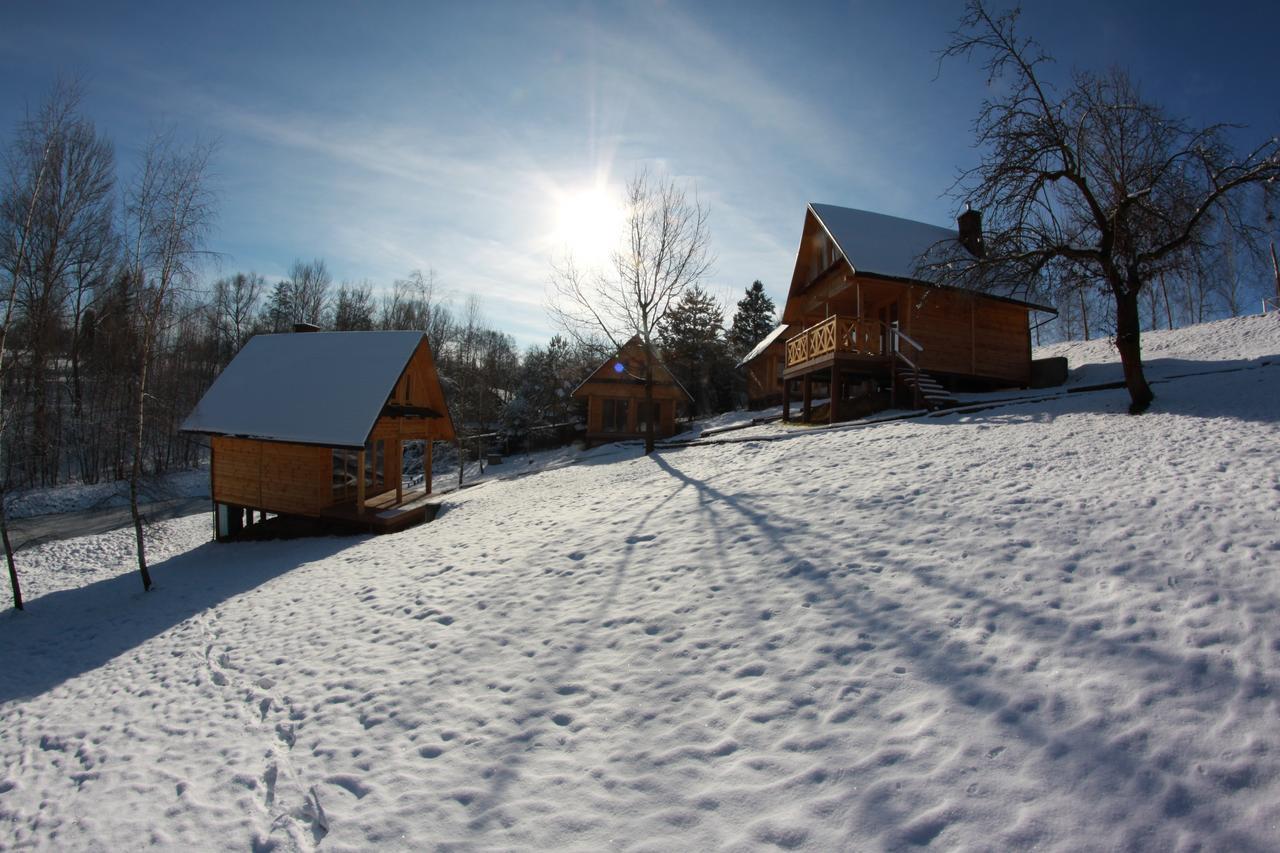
[(399, 466), (426, 466), (360, 484), (893, 382), (786, 400), (808, 398), (832, 415), (399, 469)]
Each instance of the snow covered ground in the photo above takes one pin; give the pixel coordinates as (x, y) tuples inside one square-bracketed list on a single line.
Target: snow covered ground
[(79, 496), (1048, 625)]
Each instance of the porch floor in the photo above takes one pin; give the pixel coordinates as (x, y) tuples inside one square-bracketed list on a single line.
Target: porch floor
[(846, 360), (383, 514)]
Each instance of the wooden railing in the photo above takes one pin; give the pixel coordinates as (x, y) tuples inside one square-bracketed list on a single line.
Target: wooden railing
[(899, 341), (836, 334)]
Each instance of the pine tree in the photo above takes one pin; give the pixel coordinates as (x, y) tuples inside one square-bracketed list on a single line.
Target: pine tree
[(752, 321), (695, 351)]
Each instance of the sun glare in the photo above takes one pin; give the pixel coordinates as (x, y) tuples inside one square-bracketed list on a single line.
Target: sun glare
[(589, 224)]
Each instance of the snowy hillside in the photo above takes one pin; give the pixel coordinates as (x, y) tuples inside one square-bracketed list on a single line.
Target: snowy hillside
[(1043, 626), (1210, 346)]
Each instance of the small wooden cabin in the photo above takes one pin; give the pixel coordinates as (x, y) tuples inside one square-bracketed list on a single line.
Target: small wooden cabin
[(315, 424), (764, 366), (615, 396), (872, 334)]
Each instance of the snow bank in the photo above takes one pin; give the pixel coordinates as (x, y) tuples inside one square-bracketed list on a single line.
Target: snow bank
[(1048, 626)]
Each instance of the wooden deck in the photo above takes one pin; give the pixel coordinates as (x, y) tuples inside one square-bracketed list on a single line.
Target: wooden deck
[(848, 361), (383, 514), (853, 342)]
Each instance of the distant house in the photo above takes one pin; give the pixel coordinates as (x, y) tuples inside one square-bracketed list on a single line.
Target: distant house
[(314, 425), (615, 396), (866, 332), (764, 366)]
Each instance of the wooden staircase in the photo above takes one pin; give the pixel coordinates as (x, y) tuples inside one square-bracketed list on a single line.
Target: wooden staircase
[(926, 389)]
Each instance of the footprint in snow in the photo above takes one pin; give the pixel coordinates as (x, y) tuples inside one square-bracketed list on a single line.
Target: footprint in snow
[(647, 537), (350, 784)]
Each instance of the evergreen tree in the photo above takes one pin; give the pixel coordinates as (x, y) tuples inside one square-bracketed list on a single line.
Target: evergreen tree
[(278, 313), (752, 321), (694, 349)]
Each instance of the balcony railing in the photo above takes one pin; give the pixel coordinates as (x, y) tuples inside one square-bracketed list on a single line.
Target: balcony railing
[(835, 334)]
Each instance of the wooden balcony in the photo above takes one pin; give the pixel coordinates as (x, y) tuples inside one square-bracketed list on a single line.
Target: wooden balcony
[(845, 338)]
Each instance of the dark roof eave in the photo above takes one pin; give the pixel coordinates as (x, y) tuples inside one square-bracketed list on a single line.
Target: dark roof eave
[(274, 440), (921, 282)]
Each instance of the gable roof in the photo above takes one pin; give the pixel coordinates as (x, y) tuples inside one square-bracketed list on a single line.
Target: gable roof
[(876, 244), (765, 342), (323, 388), (638, 348)]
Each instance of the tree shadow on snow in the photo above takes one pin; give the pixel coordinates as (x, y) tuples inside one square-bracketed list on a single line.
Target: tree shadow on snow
[(1243, 390), (533, 715), (1089, 757), (65, 634)]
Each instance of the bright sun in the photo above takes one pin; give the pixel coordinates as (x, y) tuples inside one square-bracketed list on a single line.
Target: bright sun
[(589, 223)]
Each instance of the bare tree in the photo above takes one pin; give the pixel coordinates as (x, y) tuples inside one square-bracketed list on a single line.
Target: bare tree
[(31, 163), (168, 212), (665, 248), (235, 310), (1094, 185), (415, 303), (309, 284), (354, 308)]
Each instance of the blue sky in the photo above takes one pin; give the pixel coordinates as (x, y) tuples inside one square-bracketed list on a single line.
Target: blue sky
[(385, 137)]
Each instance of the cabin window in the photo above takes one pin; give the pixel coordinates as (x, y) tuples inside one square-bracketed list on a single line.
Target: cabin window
[(375, 465), (346, 468), (615, 415)]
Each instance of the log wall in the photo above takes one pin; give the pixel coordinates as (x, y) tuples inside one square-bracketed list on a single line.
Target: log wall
[(666, 397), (968, 335), (272, 475)]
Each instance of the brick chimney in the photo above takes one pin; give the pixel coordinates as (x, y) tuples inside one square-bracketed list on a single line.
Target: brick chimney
[(970, 231)]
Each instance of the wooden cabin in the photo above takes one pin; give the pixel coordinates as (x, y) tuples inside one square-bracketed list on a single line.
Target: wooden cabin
[(764, 367), (872, 334), (314, 425), (615, 396)]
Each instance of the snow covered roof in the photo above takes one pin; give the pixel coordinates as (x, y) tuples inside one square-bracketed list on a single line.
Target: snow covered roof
[(877, 244), (315, 388), (634, 348), (764, 344)]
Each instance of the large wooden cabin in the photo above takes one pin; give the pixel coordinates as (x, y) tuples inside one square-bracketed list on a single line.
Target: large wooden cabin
[(615, 396), (314, 425), (868, 333)]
